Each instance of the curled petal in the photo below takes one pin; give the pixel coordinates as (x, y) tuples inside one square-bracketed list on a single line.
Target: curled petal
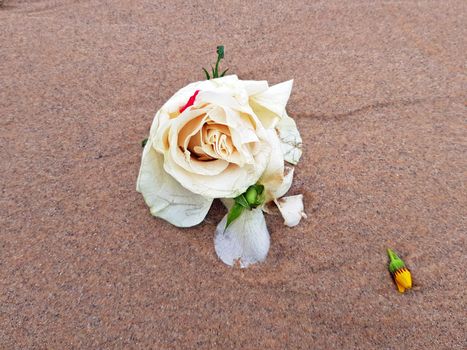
[(269, 105), (291, 209), (246, 240), (291, 142), (165, 197), (187, 124)]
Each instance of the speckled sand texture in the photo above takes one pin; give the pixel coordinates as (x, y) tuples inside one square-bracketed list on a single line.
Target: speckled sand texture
[(379, 97)]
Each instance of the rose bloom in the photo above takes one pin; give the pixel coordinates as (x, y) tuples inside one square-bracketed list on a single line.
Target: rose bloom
[(215, 138)]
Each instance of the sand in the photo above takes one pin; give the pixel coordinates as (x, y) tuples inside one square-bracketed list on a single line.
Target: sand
[(379, 97)]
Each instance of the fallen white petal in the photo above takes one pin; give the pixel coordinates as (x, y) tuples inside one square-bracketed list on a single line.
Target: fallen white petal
[(245, 241), (291, 142), (165, 197), (291, 209)]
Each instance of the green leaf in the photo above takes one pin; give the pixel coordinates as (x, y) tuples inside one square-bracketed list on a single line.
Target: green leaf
[(144, 142), (242, 201), (223, 73), (207, 74), (234, 213)]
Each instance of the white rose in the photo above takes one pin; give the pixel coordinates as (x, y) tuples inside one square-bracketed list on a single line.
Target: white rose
[(213, 139)]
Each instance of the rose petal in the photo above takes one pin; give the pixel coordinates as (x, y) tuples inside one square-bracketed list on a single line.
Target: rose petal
[(217, 114), (245, 241), (224, 99), (232, 182), (190, 102), (291, 209), (269, 105), (179, 99), (181, 157), (165, 197), (291, 142), (276, 182), (286, 182), (254, 87)]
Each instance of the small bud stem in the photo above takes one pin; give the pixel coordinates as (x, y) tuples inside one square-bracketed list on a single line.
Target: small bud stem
[(216, 73), (392, 255)]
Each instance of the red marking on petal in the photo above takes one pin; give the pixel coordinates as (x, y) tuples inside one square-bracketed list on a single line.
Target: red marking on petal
[(190, 102)]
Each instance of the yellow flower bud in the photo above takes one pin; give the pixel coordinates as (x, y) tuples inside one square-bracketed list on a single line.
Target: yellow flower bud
[(403, 279), (399, 272)]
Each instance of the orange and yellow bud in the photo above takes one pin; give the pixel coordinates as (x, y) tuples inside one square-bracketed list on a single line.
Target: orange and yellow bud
[(399, 272), (403, 279)]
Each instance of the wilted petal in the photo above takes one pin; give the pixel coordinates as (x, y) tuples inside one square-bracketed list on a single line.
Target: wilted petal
[(245, 241), (286, 182), (165, 197), (291, 142), (276, 182), (291, 209), (269, 105)]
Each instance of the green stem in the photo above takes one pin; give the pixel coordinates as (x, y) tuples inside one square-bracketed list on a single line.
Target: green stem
[(392, 255), (216, 72)]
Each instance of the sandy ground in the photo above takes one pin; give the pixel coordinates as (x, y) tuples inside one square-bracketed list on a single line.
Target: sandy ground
[(379, 97)]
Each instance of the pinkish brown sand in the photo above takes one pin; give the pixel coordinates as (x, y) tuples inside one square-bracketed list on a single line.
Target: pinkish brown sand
[(379, 97)]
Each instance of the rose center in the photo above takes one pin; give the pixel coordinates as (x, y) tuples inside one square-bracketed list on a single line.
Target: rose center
[(218, 141)]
